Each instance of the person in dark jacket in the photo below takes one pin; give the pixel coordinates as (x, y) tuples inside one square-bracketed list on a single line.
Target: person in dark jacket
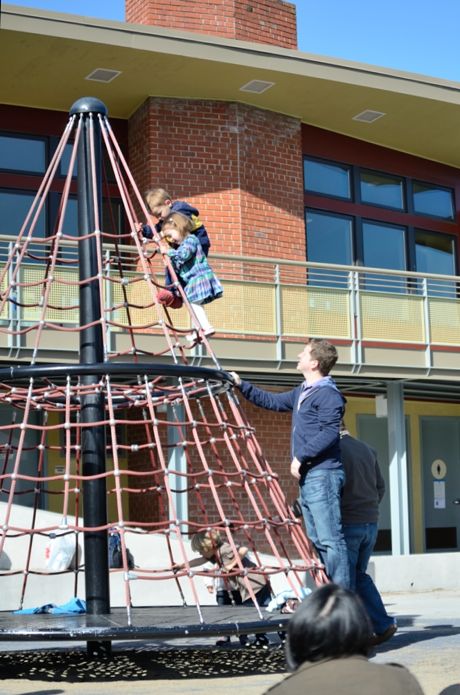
[(327, 646), (161, 205), (362, 493), (317, 408)]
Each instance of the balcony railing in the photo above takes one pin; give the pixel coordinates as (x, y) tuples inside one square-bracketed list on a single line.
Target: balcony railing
[(371, 312)]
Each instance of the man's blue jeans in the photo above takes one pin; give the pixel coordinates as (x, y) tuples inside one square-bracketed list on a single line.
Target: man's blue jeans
[(360, 540), (320, 491)]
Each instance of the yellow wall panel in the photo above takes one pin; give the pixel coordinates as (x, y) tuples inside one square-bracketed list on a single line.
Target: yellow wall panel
[(392, 317), (320, 311), (444, 321)]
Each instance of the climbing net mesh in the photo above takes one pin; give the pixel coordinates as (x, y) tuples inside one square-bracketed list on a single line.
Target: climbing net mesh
[(181, 456)]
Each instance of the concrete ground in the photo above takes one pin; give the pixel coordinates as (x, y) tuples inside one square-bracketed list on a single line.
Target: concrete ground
[(427, 642)]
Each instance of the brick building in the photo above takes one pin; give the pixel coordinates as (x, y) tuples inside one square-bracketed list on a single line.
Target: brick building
[(342, 179)]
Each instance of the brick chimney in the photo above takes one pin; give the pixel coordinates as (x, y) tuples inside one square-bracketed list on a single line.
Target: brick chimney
[(270, 22)]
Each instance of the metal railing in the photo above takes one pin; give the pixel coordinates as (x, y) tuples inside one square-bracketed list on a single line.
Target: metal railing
[(276, 299)]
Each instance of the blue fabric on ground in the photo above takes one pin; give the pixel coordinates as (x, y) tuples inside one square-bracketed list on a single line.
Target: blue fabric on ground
[(75, 605)]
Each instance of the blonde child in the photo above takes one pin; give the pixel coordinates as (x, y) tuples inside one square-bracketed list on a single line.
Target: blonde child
[(161, 205), (210, 545), (200, 284)]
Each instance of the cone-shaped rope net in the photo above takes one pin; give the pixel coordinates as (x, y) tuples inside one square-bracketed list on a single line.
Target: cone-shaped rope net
[(181, 456)]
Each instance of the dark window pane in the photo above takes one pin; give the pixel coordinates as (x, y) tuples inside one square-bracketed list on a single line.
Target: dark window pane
[(65, 161), (22, 154), (433, 201), (329, 240), (113, 216), (13, 210), (384, 246), (327, 178), (381, 189), (70, 225), (435, 253)]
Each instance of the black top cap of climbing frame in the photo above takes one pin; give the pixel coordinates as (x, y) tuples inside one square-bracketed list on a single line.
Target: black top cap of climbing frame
[(88, 105)]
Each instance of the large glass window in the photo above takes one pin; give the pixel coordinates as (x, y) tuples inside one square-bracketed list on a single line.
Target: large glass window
[(381, 189), (22, 154), (435, 253), (384, 246), (327, 178), (14, 207), (64, 164), (329, 240), (433, 200)]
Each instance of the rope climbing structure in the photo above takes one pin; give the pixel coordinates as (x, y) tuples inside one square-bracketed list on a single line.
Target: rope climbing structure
[(132, 436)]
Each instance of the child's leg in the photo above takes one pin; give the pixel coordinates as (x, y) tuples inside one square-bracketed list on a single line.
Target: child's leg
[(202, 319)]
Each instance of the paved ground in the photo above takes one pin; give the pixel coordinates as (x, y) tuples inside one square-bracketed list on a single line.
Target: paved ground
[(427, 642)]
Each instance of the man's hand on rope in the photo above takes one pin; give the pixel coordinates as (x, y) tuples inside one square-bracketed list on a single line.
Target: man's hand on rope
[(236, 378)]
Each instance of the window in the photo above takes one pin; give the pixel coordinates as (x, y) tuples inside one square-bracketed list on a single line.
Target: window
[(381, 189), (327, 178), (24, 154), (14, 206), (377, 226), (384, 246), (64, 164), (433, 201), (435, 253), (28, 154), (329, 240)]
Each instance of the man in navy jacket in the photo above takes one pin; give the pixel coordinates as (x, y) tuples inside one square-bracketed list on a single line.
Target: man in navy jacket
[(317, 408)]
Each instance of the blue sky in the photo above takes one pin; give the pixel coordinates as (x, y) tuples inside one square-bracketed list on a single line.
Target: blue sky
[(415, 35)]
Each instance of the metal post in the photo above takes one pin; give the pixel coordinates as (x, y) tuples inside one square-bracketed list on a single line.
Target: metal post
[(91, 352), (177, 463), (399, 496)]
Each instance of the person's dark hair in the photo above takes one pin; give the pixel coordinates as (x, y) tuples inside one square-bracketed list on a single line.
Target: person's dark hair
[(324, 352), (330, 623)]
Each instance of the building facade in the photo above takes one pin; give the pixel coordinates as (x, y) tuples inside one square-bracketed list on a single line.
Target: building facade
[(331, 191)]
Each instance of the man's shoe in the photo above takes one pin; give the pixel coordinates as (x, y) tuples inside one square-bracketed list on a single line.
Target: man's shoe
[(383, 636)]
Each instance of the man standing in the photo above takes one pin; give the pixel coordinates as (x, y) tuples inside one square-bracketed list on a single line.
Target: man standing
[(317, 408), (362, 493)]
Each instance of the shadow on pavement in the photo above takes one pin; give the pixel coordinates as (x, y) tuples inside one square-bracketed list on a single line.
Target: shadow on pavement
[(405, 639), (141, 664)]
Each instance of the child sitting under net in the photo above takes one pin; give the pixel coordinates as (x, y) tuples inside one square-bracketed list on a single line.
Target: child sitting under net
[(210, 545), (200, 284), (224, 597)]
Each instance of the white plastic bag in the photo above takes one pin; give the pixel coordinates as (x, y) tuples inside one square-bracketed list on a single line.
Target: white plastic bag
[(60, 552)]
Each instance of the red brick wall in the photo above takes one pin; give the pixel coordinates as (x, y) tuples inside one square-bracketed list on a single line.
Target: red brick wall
[(241, 166), (259, 21)]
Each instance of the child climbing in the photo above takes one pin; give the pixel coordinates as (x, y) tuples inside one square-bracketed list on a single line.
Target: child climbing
[(212, 548), (200, 284), (161, 205)]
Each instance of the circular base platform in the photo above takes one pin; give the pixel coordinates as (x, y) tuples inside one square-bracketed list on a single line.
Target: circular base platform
[(161, 622)]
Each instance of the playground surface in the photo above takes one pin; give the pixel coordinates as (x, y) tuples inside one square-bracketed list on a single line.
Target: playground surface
[(427, 642)]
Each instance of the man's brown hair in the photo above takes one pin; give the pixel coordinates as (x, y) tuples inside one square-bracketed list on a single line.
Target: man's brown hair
[(324, 352)]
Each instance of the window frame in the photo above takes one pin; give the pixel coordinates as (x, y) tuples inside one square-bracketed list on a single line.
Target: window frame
[(321, 160), (380, 214), (439, 187), (403, 179), (27, 136)]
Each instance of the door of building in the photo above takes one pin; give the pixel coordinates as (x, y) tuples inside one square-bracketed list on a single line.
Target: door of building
[(440, 452)]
